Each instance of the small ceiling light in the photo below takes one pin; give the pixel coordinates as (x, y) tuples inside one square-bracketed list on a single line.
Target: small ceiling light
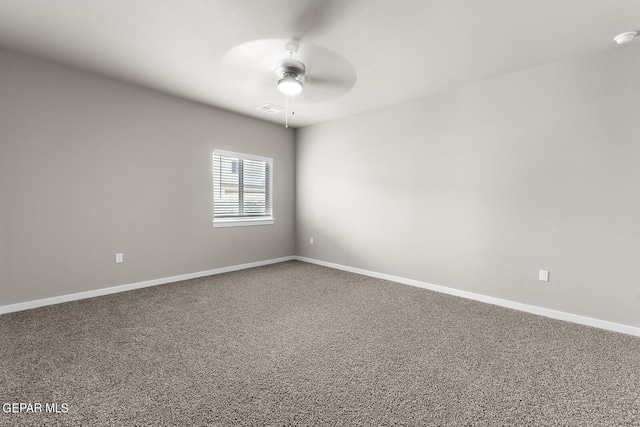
[(289, 85), (625, 37)]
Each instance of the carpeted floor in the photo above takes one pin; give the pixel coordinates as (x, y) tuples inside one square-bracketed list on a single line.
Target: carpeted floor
[(299, 344)]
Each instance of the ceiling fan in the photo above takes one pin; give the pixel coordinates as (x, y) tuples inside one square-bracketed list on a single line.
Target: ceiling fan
[(266, 69)]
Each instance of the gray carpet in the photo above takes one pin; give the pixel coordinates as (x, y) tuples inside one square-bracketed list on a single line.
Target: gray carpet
[(299, 344)]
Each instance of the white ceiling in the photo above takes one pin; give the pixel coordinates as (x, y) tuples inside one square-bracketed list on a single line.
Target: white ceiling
[(400, 49)]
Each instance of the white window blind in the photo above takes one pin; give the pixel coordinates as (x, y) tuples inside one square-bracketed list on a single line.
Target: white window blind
[(241, 189)]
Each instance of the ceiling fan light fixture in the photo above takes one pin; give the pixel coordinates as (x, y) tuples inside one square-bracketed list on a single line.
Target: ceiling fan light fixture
[(625, 37), (289, 85)]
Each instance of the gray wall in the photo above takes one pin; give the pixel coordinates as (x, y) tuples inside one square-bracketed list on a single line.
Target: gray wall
[(476, 188), (480, 187), (90, 167)]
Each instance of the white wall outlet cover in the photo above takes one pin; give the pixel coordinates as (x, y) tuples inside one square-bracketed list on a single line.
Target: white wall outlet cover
[(311, 240), (119, 258), (543, 276)]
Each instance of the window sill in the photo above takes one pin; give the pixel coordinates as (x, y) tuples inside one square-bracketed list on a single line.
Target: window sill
[(241, 222)]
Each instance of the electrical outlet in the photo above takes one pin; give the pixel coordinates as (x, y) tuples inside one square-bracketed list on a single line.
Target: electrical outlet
[(543, 276), (119, 258), (311, 240)]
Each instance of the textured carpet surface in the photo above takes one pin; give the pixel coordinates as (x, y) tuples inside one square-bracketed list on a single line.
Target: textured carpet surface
[(299, 344)]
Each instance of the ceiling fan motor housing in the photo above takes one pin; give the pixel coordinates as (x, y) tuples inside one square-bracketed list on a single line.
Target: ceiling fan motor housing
[(290, 67)]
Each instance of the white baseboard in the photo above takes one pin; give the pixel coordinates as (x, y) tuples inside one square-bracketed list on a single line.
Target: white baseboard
[(554, 314), (115, 289), (574, 318)]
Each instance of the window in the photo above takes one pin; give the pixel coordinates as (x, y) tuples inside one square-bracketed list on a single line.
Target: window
[(241, 189)]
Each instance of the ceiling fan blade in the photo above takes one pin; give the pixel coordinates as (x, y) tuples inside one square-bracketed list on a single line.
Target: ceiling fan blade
[(328, 76), (339, 82), (318, 17), (250, 66), (318, 89)]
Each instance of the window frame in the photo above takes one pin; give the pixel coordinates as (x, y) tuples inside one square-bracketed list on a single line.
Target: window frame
[(241, 220)]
